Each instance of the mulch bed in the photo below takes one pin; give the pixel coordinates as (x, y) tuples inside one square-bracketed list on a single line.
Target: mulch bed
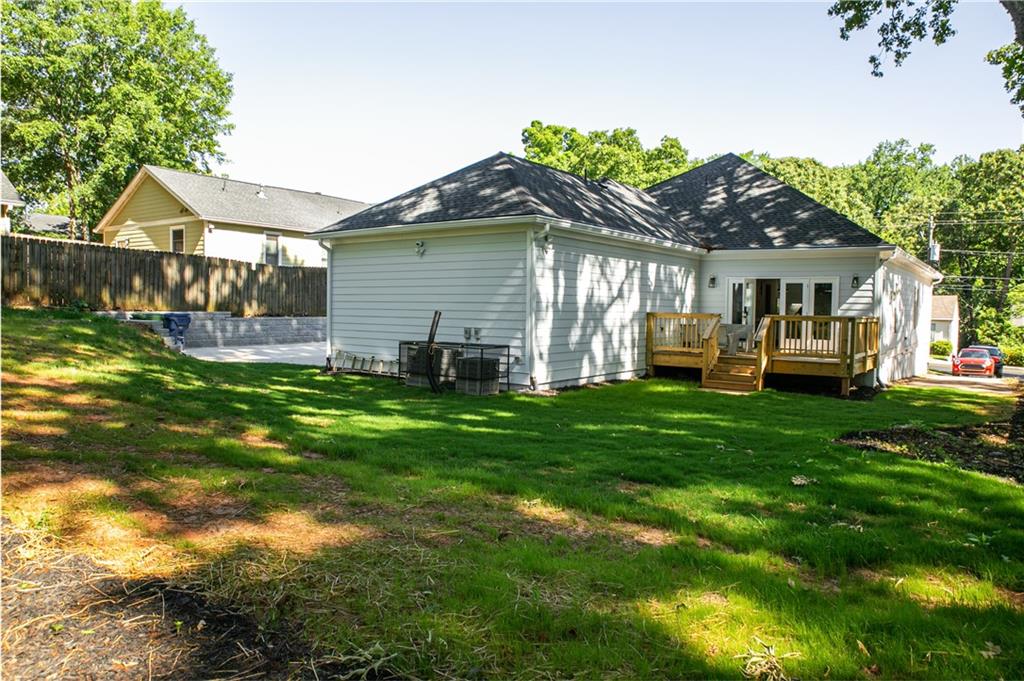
[(64, 616), (996, 448)]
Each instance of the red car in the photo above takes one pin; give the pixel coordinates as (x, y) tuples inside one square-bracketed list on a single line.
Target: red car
[(974, 361)]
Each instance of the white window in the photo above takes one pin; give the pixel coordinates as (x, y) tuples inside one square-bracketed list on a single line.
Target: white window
[(271, 249), (177, 239)]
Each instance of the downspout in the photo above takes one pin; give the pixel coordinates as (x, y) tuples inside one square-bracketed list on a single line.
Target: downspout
[(531, 285), (877, 290), (326, 245)]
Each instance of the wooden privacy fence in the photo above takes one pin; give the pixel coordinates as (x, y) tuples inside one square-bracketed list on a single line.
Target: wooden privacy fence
[(53, 272)]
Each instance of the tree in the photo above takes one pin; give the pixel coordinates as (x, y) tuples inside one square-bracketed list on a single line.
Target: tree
[(990, 206), (905, 22), (94, 88), (831, 186), (617, 154)]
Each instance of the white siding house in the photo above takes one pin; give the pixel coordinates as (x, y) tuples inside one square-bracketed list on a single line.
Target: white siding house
[(565, 270), (384, 291), (590, 305)]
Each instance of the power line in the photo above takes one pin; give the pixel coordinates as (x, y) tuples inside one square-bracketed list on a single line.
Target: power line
[(971, 276), (973, 252)]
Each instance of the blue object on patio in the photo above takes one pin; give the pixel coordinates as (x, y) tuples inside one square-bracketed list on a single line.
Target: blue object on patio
[(177, 323)]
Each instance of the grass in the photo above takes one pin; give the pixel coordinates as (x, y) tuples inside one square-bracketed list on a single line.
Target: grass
[(641, 530)]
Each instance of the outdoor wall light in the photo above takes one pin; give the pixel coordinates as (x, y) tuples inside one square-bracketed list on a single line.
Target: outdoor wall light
[(713, 281), (856, 281), (421, 248)]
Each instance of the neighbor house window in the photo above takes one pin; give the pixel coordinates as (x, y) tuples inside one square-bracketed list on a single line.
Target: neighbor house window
[(177, 239), (271, 249)]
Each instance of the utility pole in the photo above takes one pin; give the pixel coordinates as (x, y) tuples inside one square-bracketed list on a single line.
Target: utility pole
[(933, 248)]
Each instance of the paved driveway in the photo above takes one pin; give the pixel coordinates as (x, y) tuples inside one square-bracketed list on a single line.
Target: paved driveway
[(312, 354)]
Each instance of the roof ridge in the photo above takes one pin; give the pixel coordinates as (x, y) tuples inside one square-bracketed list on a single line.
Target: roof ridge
[(252, 184), (565, 172), (700, 167)]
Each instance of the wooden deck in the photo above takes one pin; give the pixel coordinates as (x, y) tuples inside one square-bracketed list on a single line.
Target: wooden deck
[(841, 347)]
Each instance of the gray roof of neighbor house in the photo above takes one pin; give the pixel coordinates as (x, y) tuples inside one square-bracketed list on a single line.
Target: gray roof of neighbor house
[(505, 186), (8, 194), (944, 307), (216, 198), (43, 222), (732, 204)]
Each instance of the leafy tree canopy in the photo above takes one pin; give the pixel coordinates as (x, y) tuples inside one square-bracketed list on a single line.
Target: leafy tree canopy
[(905, 22), (92, 89), (617, 154)]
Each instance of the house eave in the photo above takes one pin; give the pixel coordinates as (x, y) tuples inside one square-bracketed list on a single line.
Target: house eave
[(799, 252), (529, 220)]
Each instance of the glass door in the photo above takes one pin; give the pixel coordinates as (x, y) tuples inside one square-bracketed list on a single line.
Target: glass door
[(741, 300), (792, 301)]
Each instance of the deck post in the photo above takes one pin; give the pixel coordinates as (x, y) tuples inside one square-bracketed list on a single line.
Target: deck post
[(650, 344)]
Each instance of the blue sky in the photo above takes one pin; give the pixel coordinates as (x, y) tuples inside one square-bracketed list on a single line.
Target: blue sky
[(366, 101)]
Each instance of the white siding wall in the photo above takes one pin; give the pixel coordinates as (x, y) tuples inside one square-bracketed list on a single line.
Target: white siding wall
[(904, 323), (852, 302), (240, 242), (383, 292), (591, 302)]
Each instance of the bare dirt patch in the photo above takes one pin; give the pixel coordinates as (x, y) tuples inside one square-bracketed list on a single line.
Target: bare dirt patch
[(996, 448), (67, 617)]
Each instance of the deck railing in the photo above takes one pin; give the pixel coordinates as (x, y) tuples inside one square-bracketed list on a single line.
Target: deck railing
[(709, 348), (849, 344), (679, 330), (679, 338), (811, 345)]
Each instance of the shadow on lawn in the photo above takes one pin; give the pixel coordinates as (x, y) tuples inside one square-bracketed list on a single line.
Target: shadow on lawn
[(431, 482)]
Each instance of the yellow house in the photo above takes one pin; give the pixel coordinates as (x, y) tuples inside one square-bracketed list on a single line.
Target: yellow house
[(172, 210)]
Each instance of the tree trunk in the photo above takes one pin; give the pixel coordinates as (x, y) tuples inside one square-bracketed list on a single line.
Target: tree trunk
[(1015, 8), (70, 179), (1007, 275)]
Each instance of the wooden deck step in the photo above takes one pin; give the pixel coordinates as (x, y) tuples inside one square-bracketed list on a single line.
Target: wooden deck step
[(730, 386), (737, 360), (731, 377)]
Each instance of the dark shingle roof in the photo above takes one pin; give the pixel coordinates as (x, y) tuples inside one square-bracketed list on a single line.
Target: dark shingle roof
[(217, 198), (731, 204), (8, 193), (46, 223), (505, 186)]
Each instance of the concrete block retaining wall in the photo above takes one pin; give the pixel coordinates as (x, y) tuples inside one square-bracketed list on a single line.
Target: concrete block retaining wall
[(220, 329)]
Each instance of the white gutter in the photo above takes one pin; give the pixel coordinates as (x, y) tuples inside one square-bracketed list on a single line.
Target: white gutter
[(546, 222), (901, 257), (798, 252)]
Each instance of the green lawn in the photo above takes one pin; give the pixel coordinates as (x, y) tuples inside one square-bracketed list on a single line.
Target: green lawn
[(641, 530)]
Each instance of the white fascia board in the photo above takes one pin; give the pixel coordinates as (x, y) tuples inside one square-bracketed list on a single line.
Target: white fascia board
[(538, 220), (809, 252), (262, 225), (424, 227), (907, 261)]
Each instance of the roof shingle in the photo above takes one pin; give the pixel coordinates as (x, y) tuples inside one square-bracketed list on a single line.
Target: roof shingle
[(503, 185), (944, 307), (217, 198), (732, 204), (8, 193)]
